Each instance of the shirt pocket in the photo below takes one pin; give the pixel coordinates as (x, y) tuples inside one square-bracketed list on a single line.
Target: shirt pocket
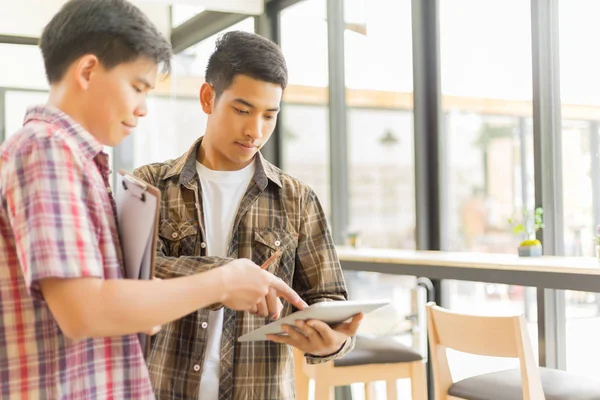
[(180, 237), (266, 242)]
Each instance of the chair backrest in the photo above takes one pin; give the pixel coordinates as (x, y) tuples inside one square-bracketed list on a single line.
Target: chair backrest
[(301, 380), (481, 335)]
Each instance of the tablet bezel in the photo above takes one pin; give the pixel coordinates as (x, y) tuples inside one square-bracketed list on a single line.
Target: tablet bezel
[(330, 312)]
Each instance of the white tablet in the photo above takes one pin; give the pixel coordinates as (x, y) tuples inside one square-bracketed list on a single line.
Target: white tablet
[(330, 312)]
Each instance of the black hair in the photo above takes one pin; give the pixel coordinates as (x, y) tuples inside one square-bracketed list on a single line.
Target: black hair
[(115, 31), (249, 54)]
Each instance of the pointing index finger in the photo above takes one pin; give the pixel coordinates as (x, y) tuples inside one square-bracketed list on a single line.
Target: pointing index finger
[(283, 290)]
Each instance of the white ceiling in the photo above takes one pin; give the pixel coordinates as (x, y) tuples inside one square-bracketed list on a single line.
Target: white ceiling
[(252, 7), (17, 18)]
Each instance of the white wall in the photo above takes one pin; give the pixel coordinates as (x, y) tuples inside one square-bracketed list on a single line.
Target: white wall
[(16, 106), (251, 7), (17, 17), (22, 67)]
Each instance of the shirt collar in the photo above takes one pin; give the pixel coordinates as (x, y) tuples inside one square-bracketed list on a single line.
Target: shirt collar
[(87, 143), (185, 168)]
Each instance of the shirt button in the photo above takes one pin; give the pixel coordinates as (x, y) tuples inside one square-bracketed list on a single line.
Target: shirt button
[(204, 325), (174, 235), (196, 368), (203, 245), (277, 243)]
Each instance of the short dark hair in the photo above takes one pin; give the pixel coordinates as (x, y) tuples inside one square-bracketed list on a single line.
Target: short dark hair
[(244, 53), (115, 31)]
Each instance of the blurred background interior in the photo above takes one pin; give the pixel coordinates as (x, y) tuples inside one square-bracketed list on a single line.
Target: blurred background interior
[(349, 128)]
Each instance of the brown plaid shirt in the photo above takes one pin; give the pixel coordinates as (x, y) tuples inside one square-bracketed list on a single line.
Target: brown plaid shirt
[(277, 211)]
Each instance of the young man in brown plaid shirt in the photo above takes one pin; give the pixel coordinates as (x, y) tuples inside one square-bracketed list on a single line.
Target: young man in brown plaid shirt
[(222, 200)]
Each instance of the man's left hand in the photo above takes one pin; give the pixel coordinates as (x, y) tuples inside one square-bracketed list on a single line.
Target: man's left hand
[(316, 337)]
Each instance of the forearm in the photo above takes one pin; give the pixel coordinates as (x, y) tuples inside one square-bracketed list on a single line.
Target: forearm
[(91, 307), (174, 267)]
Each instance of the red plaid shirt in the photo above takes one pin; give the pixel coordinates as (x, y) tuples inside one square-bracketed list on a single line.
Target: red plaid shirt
[(57, 220)]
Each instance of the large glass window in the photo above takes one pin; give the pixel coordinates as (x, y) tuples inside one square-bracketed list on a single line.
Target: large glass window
[(580, 96), (380, 137), (303, 126), (487, 151), (382, 211), (304, 120), (380, 122)]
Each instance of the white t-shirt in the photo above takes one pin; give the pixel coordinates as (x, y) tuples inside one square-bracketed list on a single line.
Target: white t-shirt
[(222, 193)]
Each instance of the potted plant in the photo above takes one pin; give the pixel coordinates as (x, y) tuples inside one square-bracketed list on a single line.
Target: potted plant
[(532, 222), (353, 239)]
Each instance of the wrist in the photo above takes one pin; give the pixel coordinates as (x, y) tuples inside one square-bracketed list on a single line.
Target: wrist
[(332, 351), (210, 286), (220, 284)]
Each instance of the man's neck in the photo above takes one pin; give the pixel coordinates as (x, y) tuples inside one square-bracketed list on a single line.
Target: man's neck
[(211, 159), (61, 99)]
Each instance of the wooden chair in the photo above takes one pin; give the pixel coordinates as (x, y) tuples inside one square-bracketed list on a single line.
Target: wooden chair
[(496, 337), (373, 359)]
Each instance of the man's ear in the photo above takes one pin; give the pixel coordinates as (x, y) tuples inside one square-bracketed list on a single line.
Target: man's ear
[(207, 97), (85, 67)]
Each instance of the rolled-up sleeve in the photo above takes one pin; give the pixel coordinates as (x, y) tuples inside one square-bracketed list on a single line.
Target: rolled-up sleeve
[(318, 274)]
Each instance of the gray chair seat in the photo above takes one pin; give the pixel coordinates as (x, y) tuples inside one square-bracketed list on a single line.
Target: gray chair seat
[(506, 385), (377, 351)]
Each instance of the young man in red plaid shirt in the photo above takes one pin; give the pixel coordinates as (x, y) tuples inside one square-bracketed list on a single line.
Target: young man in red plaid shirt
[(67, 319)]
